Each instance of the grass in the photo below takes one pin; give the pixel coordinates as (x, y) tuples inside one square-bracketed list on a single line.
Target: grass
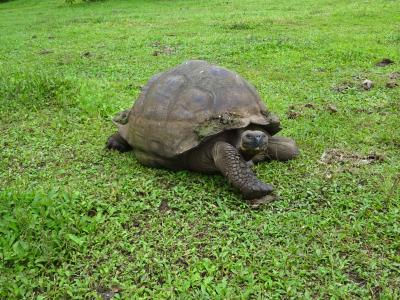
[(77, 221)]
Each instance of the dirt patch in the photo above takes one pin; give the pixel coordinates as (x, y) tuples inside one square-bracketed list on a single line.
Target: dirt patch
[(45, 51), (391, 84), (86, 54), (162, 49), (310, 105), (337, 156), (164, 207), (165, 50), (343, 87), (92, 212), (240, 26), (292, 114), (332, 108), (135, 86), (394, 75), (384, 62), (258, 203), (355, 277), (108, 294), (297, 111)]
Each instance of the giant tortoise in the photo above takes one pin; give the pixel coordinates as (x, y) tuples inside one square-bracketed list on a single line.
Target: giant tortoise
[(204, 118)]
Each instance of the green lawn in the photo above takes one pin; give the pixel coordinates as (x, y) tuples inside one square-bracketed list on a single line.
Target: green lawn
[(77, 221)]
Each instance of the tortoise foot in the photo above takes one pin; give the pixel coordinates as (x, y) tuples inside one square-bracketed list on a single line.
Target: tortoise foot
[(117, 142)]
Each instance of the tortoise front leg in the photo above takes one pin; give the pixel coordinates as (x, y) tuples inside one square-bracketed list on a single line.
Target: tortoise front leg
[(231, 164)]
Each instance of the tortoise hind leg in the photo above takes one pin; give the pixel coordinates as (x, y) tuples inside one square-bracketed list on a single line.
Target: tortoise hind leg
[(279, 148), (282, 148), (117, 142), (230, 163)]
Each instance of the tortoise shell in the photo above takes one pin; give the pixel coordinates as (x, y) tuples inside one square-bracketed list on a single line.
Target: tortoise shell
[(179, 109)]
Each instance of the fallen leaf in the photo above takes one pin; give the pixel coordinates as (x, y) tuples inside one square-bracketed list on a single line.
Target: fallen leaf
[(367, 84), (332, 108)]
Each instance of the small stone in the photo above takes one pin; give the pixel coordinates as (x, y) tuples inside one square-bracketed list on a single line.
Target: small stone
[(391, 84), (384, 62), (367, 84), (332, 108)]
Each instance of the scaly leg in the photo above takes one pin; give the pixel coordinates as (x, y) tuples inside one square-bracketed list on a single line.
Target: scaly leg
[(231, 164)]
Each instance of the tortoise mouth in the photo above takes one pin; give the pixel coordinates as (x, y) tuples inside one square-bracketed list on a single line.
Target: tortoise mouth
[(256, 145), (253, 147)]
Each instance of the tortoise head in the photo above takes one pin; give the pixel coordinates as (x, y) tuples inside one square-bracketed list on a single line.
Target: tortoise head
[(253, 141)]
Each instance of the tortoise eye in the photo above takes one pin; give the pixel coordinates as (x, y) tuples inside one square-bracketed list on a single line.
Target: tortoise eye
[(249, 136)]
